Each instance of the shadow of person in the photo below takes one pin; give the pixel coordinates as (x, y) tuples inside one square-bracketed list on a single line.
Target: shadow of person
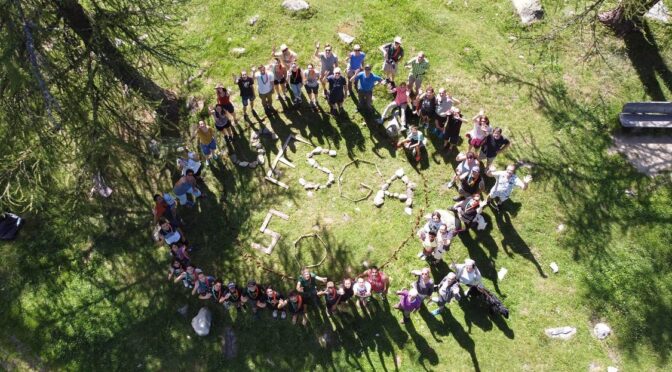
[(485, 263), (512, 241), (503, 326), (435, 327), (475, 314), (649, 64), (462, 337), (427, 353)]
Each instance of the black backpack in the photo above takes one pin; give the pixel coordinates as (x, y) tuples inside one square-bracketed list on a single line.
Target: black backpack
[(10, 224)]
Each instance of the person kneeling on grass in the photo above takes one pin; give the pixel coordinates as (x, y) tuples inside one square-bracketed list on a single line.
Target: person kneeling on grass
[(448, 289), (274, 301), (379, 281), (363, 292), (186, 185), (505, 181), (296, 307), (332, 297), (413, 143), (253, 296), (409, 302)]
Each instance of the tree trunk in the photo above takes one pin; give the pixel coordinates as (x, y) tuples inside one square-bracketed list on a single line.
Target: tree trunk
[(625, 17), (76, 18)]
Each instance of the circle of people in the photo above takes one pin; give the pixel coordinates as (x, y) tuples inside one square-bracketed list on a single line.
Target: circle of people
[(440, 112)]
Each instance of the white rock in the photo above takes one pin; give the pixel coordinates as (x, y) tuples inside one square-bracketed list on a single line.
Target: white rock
[(317, 150), (237, 52), (302, 182), (255, 135), (325, 151), (309, 155), (529, 10), (412, 185), (408, 210), (612, 369), (261, 159), (380, 194), (310, 194), (274, 136), (243, 164), (253, 164), (405, 179), (312, 162), (385, 186), (659, 12), (395, 195), (601, 330), (202, 322), (563, 333), (253, 19), (378, 202), (399, 173), (409, 202), (346, 38), (561, 228), (332, 152), (554, 267), (502, 273), (403, 197), (295, 5), (387, 193), (330, 178)]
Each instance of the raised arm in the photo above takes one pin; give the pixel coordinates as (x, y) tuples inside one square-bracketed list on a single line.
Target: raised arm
[(317, 50)]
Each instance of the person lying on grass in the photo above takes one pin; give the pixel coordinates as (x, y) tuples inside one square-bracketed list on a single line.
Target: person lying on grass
[(413, 143)]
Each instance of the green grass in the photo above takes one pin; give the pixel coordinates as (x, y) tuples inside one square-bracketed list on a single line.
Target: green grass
[(84, 287)]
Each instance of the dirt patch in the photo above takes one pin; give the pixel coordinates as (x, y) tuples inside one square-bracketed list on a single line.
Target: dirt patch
[(649, 154)]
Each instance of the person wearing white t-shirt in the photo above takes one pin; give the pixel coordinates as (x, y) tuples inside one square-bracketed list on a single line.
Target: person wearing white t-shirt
[(362, 291), (265, 86), (468, 274), (505, 181)]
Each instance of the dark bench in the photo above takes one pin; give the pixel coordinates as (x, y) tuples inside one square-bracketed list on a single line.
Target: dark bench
[(646, 115)]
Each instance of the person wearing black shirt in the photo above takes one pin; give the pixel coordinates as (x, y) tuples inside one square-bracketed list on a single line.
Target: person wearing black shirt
[(246, 86), (494, 144)]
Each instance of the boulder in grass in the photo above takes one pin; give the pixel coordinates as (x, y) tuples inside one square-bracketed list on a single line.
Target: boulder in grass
[(295, 5), (202, 322), (346, 38), (659, 12), (562, 333), (601, 330), (529, 11)]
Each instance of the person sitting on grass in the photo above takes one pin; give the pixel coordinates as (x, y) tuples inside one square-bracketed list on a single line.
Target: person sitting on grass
[(413, 143), (253, 296), (337, 91), (296, 307), (424, 284), (505, 181), (275, 301), (468, 163), (362, 290), (468, 274), (332, 297), (448, 289), (233, 298), (400, 101), (203, 285), (379, 281), (206, 140), (186, 185), (175, 269), (164, 206), (307, 286), (188, 276), (467, 211), (476, 137), (470, 183), (180, 253), (409, 302)]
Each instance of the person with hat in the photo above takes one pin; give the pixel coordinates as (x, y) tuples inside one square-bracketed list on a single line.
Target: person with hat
[(328, 62), (246, 86), (355, 62), (468, 274), (419, 66), (224, 99), (274, 301), (311, 82), (409, 302), (392, 54), (295, 82), (365, 81), (286, 55), (233, 297), (505, 181), (337, 91), (449, 289), (470, 183), (253, 296), (265, 87)]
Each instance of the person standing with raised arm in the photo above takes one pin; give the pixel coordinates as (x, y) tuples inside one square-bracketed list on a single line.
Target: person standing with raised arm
[(328, 62), (392, 54)]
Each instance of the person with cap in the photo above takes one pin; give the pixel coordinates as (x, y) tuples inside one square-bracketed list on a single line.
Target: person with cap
[(332, 297), (295, 82), (311, 82), (233, 297), (246, 86), (224, 99), (365, 81), (206, 141), (337, 91), (280, 82), (253, 296), (296, 306), (448, 289), (409, 302), (307, 285), (265, 87), (355, 62), (419, 66), (468, 274), (470, 183), (400, 101), (392, 54), (424, 283), (495, 143), (274, 301), (505, 181), (328, 62), (286, 55)]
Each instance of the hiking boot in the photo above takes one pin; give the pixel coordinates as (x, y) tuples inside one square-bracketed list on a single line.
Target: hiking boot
[(275, 314)]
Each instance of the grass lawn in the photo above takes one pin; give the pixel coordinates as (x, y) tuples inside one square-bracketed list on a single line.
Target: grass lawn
[(85, 287)]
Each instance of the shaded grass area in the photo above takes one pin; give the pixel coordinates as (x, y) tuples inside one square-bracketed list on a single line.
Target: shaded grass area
[(85, 288)]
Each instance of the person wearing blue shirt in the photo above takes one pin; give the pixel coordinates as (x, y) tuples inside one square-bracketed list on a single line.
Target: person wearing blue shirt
[(364, 83), (355, 63)]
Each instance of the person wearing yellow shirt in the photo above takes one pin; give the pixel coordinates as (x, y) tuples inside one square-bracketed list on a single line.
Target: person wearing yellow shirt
[(206, 141)]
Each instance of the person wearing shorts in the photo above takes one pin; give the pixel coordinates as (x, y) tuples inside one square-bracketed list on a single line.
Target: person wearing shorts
[(400, 100), (206, 141), (222, 123), (224, 99), (392, 54), (286, 55), (427, 107), (419, 66), (494, 144), (246, 86), (337, 91), (186, 185), (413, 143), (280, 81), (328, 62), (265, 87), (355, 63), (311, 82)]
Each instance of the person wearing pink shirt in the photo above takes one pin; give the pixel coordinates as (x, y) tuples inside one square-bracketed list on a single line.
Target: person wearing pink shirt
[(400, 100)]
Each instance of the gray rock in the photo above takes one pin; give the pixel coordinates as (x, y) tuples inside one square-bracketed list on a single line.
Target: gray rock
[(237, 52), (183, 310), (332, 153), (229, 344), (409, 202), (346, 38), (529, 11), (601, 330), (302, 182), (399, 173), (253, 20), (562, 333), (403, 197), (659, 12), (202, 321), (385, 186), (243, 164), (405, 179), (408, 210), (252, 164), (295, 5)]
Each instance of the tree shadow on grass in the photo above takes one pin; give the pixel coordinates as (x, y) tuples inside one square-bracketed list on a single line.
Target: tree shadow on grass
[(601, 218), (645, 56)]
